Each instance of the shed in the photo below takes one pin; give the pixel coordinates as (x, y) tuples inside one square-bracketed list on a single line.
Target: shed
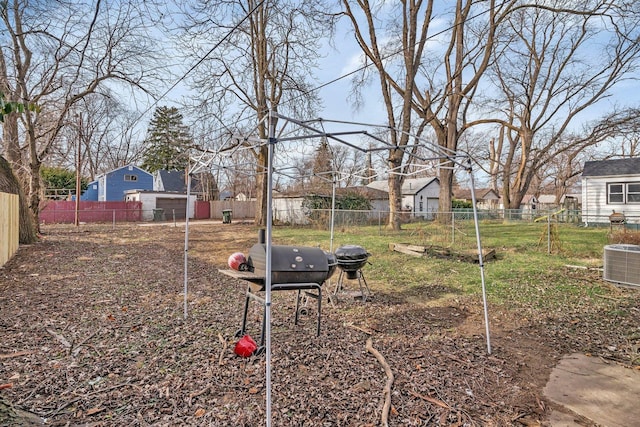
[(611, 186), (486, 198), (420, 196), (160, 205), (287, 208)]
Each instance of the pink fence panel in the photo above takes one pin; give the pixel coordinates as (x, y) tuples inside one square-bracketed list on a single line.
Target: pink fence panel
[(64, 211), (202, 210)]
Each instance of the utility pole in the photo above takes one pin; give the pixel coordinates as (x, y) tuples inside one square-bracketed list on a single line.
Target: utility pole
[(78, 172)]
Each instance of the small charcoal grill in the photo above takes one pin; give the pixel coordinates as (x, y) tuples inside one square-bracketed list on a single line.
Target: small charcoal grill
[(351, 258)]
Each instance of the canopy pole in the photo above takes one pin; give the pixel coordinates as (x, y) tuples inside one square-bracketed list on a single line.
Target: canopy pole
[(480, 260), (333, 211), (268, 267), (186, 241)]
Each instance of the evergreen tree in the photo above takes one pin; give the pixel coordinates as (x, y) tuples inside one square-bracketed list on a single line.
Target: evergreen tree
[(168, 141), (322, 168)]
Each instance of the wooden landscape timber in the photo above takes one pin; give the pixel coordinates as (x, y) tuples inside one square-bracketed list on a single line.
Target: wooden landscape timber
[(441, 252)]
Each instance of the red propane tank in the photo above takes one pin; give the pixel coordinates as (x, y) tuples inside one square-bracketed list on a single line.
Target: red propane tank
[(245, 347)]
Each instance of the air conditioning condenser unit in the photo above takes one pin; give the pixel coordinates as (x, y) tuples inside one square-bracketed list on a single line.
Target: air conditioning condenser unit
[(622, 264)]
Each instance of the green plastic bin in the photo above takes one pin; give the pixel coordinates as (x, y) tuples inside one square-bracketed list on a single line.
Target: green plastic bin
[(158, 214), (226, 216)]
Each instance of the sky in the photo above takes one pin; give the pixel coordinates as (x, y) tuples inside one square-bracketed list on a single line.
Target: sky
[(341, 60)]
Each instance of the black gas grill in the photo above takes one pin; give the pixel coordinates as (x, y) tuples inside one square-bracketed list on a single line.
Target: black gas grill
[(299, 268), (292, 264)]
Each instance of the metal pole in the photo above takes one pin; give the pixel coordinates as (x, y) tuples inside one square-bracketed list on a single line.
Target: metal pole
[(453, 226), (267, 281), (186, 242), (78, 174), (480, 260), (333, 211), (548, 234)]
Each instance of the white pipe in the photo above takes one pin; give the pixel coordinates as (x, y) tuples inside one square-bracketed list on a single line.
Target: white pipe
[(333, 212), (480, 260), (186, 242), (267, 281)]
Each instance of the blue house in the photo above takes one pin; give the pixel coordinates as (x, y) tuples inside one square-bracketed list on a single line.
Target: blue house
[(91, 193), (113, 185)]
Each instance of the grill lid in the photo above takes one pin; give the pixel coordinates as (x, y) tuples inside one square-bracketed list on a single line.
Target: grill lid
[(291, 264), (351, 253)]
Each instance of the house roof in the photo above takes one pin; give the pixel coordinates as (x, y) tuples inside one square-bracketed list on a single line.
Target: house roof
[(174, 181), (480, 193), (365, 191), (122, 167), (368, 192), (410, 186), (547, 199), (615, 167)]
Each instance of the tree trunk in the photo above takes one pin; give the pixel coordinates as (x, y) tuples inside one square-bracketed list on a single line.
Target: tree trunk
[(9, 184), (446, 184), (261, 184), (395, 199)]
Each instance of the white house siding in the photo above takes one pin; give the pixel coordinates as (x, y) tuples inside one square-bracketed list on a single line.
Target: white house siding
[(429, 198), (379, 205), (288, 210), (595, 208), (149, 198)]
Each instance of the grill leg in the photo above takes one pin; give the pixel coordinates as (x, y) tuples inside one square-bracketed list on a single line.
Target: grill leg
[(298, 296), (339, 283), (243, 328), (319, 309), (318, 297), (362, 280)]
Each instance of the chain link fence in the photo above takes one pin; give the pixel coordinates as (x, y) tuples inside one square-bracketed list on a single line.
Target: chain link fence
[(321, 218)]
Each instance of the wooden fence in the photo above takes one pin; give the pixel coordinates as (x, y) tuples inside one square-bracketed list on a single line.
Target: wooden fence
[(239, 210), (9, 226)]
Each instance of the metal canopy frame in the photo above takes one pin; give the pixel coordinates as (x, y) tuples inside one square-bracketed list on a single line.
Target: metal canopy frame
[(207, 159)]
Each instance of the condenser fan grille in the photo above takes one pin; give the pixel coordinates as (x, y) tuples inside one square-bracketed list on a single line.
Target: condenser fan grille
[(622, 264)]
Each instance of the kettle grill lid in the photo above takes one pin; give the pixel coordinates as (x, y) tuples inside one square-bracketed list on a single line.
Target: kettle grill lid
[(351, 252)]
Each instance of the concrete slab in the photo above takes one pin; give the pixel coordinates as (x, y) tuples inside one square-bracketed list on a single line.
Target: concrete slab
[(605, 393)]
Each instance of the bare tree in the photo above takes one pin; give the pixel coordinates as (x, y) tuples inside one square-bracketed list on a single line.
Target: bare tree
[(262, 63), (436, 81), (552, 67), (53, 55), (408, 28), (350, 165), (108, 136)]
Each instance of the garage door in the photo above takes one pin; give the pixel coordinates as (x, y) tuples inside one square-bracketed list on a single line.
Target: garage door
[(172, 206)]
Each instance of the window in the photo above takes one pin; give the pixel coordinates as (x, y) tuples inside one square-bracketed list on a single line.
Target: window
[(633, 193), (623, 193), (131, 177)]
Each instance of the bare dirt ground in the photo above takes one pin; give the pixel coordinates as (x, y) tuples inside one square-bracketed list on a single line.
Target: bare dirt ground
[(93, 334)]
